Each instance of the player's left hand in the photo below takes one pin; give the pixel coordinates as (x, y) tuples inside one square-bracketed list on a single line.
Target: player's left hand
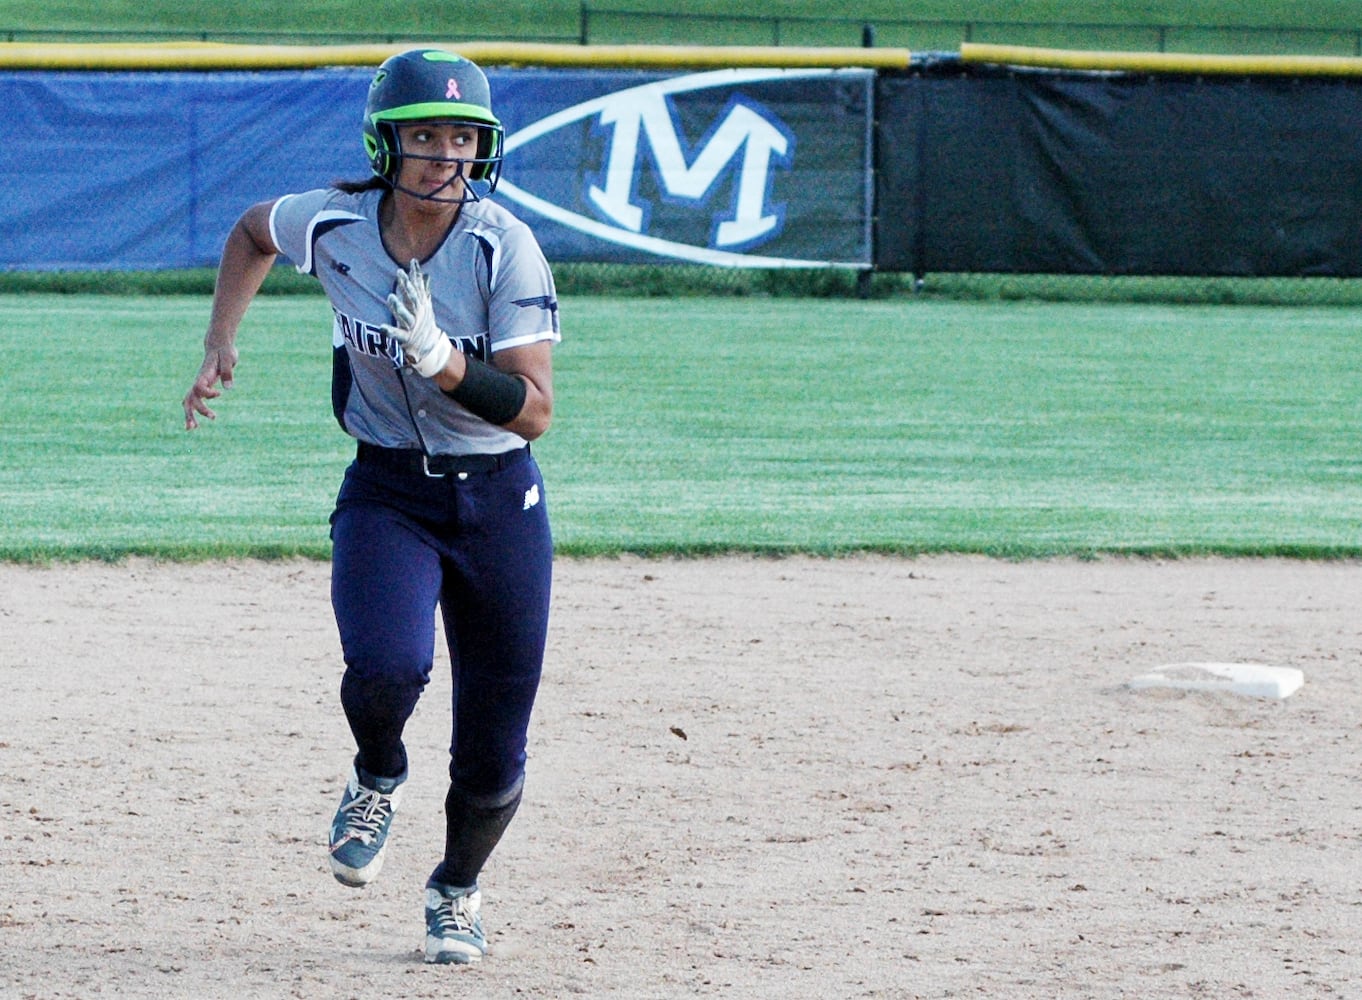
[(425, 345)]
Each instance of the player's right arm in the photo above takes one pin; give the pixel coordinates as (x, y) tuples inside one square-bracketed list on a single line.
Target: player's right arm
[(247, 257)]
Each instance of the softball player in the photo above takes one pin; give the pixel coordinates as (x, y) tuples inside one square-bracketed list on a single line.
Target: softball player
[(444, 316)]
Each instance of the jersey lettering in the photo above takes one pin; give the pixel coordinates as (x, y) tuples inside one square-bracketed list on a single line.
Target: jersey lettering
[(365, 338), (370, 340), (474, 347)]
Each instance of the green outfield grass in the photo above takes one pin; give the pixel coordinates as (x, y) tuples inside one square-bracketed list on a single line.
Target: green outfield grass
[(701, 425)]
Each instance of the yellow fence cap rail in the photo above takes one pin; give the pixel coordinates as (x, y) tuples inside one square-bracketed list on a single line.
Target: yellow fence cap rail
[(228, 56), (1161, 62)]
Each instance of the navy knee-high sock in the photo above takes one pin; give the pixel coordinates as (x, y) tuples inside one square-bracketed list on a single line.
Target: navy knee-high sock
[(473, 827)]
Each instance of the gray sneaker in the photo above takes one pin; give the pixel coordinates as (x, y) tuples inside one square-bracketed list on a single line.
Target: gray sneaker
[(453, 928), (359, 833)]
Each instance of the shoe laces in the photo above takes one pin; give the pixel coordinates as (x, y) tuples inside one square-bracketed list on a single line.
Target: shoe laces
[(456, 915), (366, 813)]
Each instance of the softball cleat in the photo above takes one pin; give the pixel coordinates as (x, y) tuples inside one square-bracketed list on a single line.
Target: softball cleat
[(453, 927), (359, 833)]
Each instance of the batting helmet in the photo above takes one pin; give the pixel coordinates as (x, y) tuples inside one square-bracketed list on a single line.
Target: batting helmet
[(435, 86)]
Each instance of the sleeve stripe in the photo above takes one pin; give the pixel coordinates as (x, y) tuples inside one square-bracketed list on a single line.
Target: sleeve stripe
[(527, 339), (274, 211)]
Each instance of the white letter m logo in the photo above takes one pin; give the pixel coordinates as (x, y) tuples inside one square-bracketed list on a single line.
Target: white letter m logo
[(765, 144)]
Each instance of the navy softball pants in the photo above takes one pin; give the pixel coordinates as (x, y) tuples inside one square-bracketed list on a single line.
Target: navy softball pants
[(478, 547)]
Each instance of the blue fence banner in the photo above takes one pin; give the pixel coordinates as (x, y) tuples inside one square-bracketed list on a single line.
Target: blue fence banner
[(134, 170), (148, 170), (945, 168), (752, 167)]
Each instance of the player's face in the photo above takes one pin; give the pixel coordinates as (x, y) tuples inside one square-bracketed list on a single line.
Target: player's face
[(434, 158)]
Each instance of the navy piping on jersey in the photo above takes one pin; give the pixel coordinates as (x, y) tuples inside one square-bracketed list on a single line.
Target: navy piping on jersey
[(342, 380), (487, 253), (318, 231)]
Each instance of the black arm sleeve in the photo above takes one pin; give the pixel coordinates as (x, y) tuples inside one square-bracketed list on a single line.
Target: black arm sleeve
[(490, 393)]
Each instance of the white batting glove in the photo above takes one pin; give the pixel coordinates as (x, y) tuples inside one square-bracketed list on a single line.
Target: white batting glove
[(425, 346)]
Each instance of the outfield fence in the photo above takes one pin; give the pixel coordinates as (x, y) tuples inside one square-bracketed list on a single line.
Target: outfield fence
[(609, 25), (612, 26), (1001, 172), (81, 36)]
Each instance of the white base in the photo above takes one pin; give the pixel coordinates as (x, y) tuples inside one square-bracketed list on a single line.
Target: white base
[(1250, 679)]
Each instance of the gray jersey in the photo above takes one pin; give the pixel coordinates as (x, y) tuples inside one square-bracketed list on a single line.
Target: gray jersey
[(491, 287)]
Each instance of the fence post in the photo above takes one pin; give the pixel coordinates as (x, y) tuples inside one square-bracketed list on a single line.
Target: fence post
[(865, 277), (583, 32)]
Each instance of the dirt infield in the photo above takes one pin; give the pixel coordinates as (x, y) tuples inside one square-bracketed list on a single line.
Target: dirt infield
[(748, 778)]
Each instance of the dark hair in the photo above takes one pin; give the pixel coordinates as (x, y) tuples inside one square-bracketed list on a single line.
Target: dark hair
[(372, 183)]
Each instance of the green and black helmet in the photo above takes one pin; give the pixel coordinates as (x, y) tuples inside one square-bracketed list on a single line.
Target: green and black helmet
[(434, 86)]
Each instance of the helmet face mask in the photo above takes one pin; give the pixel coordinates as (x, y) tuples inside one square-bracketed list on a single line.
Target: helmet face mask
[(429, 85)]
